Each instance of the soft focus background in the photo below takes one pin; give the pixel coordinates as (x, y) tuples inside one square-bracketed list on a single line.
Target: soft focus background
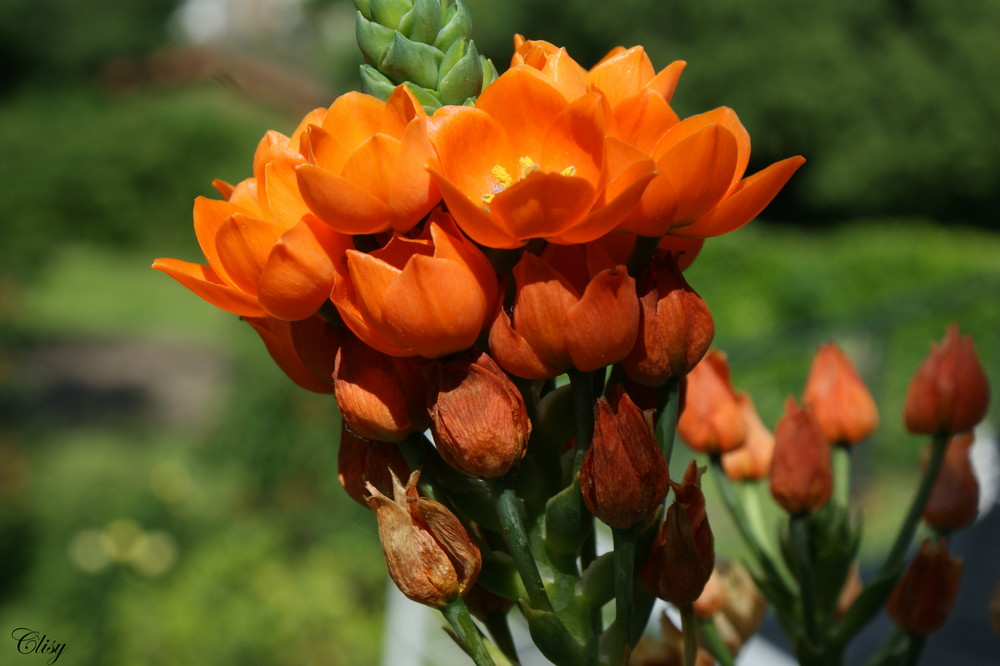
[(168, 497)]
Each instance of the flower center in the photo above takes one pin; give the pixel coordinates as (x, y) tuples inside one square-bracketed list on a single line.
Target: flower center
[(504, 180)]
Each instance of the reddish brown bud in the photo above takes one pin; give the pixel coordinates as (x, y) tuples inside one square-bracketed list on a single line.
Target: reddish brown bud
[(711, 421), (839, 399), (752, 461), (801, 471), (381, 397), (478, 418), (675, 325), (683, 554), (949, 393), (361, 461), (954, 500), (924, 595), (428, 552), (624, 477)]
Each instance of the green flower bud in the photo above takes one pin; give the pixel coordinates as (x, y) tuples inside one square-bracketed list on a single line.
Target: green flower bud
[(364, 6), (422, 22), (375, 83), (374, 40), (412, 61), (461, 73), (457, 25), (389, 12)]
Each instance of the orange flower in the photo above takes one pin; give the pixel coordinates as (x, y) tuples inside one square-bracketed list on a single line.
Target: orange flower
[(366, 164), (752, 460), (304, 350), (267, 254), (427, 296), (526, 163), (711, 420), (699, 190), (841, 402), (949, 393), (566, 314)]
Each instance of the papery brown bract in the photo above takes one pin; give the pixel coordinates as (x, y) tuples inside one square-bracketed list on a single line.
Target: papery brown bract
[(926, 591), (682, 556), (381, 397), (949, 393), (478, 417), (624, 477), (711, 421), (801, 470), (752, 460), (842, 404), (954, 499), (361, 461), (675, 325), (429, 554)]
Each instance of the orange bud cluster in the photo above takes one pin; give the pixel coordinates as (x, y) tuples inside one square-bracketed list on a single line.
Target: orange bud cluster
[(624, 477), (949, 393), (683, 553), (801, 471), (925, 593)]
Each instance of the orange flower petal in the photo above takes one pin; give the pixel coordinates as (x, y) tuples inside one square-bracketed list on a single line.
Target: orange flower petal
[(345, 206), (372, 278), (643, 119), (576, 140), (745, 203), (370, 165), (544, 297), (665, 82), (512, 351), (325, 149), (209, 215), (623, 74), (524, 102), (244, 244), (207, 284), (477, 224), (353, 117), (601, 328), (282, 191), (277, 337), (469, 163), (543, 205)]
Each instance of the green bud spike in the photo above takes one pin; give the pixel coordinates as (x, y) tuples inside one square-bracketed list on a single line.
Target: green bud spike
[(424, 43)]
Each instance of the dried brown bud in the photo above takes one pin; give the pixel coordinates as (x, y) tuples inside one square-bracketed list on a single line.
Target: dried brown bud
[(801, 471), (361, 461), (954, 499), (839, 399), (675, 325), (949, 393), (478, 418), (429, 554), (683, 553), (624, 477), (924, 595)]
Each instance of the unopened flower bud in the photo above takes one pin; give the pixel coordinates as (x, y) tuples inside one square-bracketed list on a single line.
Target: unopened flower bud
[(361, 461), (954, 499), (839, 399), (752, 460), (925, 593), (381, 397), (429, 553), (683, 553), (675, 326), (624, 477), (478, 417), (711, 421), (949, 393), (801, 471)]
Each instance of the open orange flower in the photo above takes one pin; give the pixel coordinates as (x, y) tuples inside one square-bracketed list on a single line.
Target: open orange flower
[(366, 164), (427, 296), (528, 163), (268, 256), (699, 190), (571, 310)]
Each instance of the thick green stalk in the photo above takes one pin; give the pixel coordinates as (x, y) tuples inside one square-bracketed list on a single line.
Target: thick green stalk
[(509, 513), (716, 646), (457, 614), (801, 551), (842, 475), (624, 563), (499, 628), (668, 411), (689, 627)]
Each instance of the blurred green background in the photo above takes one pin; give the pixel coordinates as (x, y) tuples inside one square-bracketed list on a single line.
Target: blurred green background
[(166, 495)]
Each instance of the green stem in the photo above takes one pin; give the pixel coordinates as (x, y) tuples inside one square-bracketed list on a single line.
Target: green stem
[(624, 563), (716, 646), (416, 458), (689, 627), (582, 386), (509, 513), (801, 551), (842, 475), (668, 411), (642, 251), (499, 628), (914, 649), (457, 614)]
